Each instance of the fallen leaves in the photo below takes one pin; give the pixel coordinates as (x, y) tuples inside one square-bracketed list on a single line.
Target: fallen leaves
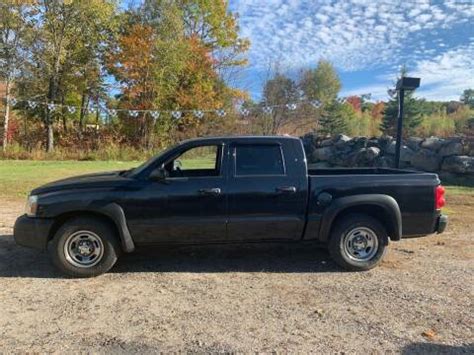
[(430, 333)]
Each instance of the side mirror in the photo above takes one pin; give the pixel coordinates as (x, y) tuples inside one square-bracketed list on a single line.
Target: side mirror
[(159, 174)]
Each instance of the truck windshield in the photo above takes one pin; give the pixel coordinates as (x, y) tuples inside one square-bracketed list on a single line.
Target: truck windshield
[(150, 162)]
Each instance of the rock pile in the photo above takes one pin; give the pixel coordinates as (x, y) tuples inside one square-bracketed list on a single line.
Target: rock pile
[(447, 156)]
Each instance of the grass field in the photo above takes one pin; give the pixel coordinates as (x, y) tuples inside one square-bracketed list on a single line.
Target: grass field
[(18, 177)]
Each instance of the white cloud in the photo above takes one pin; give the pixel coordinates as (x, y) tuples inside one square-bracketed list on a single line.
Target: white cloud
[(424, 18), (414, 12), (322, 18), (353, 34), (443, 77)]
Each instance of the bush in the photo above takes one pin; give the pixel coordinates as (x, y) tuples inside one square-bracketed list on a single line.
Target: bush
[(110, 152)]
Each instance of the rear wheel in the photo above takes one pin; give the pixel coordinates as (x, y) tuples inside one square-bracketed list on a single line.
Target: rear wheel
[(358, 242), (85, 247)]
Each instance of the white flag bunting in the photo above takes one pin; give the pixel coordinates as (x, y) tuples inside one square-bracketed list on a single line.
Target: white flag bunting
[(155, 114)]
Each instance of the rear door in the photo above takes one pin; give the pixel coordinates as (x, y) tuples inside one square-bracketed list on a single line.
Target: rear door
[(266, 195)]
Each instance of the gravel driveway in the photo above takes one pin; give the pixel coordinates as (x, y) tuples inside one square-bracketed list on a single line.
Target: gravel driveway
[(242, 298)]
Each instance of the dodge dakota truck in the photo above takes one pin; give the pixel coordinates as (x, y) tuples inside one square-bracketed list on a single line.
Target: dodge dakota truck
[(241, 190)]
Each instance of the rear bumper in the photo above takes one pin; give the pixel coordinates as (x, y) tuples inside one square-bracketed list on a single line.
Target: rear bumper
[(441, 223), (32, 232)]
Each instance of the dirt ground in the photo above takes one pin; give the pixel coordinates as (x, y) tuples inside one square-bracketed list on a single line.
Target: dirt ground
[(242, 299)]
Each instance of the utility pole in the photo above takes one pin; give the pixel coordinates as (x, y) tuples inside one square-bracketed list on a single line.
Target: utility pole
[(405, 83)]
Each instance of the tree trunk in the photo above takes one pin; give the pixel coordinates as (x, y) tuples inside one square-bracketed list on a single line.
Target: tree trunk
[(7, 115), (50, 146), (83, 111), (63, 114), (48, 118), (274, 126), (97, 112)]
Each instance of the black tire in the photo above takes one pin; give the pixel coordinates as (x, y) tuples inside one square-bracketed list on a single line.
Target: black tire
[(348, 229), (107, 247)]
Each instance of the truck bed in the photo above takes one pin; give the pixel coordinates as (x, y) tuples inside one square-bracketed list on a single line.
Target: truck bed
[(405, 186)]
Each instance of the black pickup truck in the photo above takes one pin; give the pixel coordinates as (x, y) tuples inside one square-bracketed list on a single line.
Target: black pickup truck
[(241, 189)]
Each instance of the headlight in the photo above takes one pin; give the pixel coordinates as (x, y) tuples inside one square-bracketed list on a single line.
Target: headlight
[(31, 206)]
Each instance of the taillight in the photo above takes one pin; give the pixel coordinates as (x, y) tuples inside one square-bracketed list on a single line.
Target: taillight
[(439, 197)]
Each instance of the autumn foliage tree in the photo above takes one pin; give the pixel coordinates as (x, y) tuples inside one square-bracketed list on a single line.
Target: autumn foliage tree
[(355, 102), (133, 63), (169, 56), (199, 85)]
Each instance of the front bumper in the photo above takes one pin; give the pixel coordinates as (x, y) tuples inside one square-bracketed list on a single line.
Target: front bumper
[(441, 223), (32, 232)]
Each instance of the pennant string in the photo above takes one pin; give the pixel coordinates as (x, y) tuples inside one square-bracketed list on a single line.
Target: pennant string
[(156, 113)]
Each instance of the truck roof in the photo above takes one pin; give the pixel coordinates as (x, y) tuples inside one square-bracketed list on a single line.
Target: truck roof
[(239, 138)]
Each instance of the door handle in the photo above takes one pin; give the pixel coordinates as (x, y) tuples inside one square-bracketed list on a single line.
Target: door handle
[(286, 189), (214, 191)]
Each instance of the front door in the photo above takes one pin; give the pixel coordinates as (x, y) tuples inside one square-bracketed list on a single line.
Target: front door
[(189, 206)]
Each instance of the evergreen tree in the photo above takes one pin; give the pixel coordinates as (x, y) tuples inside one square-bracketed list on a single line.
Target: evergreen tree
[(335, 117), (411, 113), (467, 97)]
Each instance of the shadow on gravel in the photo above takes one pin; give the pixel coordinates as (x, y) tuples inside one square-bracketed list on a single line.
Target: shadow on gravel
[(16, 261), (229, 258), (430, 348)]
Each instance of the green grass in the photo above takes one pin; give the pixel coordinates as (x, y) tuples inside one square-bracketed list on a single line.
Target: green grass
[(18, 177), (459, 190)]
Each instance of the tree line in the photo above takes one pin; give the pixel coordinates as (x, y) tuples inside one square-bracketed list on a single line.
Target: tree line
[(172, 55), (166, 54), (358, 115)]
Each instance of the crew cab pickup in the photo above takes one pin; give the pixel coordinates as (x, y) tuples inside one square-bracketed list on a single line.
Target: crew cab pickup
[(229, 190)]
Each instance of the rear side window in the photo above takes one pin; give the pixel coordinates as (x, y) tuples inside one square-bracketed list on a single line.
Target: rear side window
[(258, 160)]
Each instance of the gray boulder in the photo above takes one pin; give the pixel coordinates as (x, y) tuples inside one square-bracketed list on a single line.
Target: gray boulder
[(432, 143), (341, 139), (426, 159), (321, 154), (385, 141), (414, 143), (373, 142), (469, 147), (373, 152), (341, 158), (453, 147), (461, 164), (386, 161), (358, 143), (406, 153), (365, 157), (327, 142), (311, 142), (390, 147)]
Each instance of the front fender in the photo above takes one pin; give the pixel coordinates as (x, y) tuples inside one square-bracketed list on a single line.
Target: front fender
[(110, 210), (385, 203)]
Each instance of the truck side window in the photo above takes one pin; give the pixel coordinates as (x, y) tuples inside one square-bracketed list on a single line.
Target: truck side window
[(196, 162), (258, 159)]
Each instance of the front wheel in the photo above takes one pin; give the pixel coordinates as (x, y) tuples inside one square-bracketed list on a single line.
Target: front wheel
[(358, 242), (84, 247)]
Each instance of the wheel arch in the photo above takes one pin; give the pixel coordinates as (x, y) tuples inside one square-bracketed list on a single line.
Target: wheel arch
[(384, 208), (111, 214)]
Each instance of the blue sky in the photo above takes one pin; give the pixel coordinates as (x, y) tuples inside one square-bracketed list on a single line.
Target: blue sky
[(367, 41)]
